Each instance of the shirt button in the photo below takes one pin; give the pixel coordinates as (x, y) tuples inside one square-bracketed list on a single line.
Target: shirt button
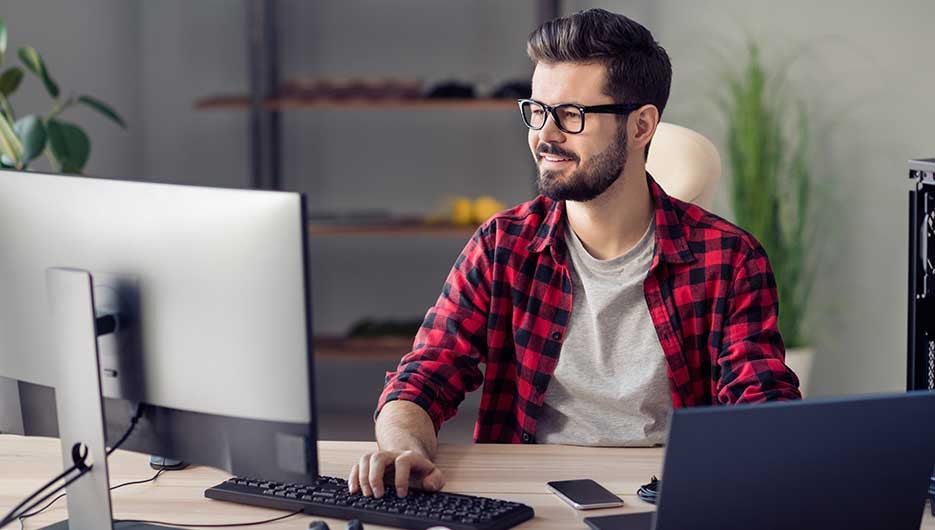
[(526, 438), (556, 336)]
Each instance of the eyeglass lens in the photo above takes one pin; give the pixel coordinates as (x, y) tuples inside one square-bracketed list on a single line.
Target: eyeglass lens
[(569, 117)]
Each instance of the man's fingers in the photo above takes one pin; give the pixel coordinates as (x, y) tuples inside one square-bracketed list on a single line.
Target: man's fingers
[(353, 482), (377, 469), (434, 481), (430, 477), (410, 469), (402, 475), (363, 474)]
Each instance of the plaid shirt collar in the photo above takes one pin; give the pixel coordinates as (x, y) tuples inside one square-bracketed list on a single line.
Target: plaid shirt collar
[(671, 243)]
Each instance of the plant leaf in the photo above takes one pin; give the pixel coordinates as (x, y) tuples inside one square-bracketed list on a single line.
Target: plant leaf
[(771, 177), (69, 145), (10, 80), (10, 146), (103, 108), (36, 65), (31, 132), (2, 38)]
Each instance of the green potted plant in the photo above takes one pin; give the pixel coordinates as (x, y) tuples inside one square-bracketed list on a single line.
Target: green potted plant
[(23, 140), (772, 191)]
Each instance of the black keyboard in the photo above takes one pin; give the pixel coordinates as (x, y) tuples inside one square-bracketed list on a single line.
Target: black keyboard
[(328, 497)]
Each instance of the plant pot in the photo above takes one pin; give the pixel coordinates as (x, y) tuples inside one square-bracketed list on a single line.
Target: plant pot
[(800, 361)]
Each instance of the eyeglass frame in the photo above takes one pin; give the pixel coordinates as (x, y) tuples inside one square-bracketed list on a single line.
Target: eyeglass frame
[(612, 108)]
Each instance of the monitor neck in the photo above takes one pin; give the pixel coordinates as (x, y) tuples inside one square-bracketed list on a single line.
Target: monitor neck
[(78, 396)]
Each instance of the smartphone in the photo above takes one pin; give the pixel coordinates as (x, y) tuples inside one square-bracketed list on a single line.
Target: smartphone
[(584, 494)]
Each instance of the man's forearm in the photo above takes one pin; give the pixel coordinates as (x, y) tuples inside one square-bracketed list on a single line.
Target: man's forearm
[(403, 426)]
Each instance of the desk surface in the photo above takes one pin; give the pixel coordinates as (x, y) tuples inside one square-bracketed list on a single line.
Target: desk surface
[(514, 472)]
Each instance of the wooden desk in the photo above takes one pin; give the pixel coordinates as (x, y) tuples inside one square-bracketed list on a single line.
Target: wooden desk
[(514, 472)]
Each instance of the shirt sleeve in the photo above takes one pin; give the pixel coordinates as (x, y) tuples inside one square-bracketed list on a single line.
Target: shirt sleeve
[(752, 358), (452, 340)]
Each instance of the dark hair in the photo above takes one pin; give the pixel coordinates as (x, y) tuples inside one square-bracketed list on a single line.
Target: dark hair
[(638, 68)]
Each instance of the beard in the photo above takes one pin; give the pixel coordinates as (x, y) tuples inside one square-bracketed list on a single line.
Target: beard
[(589, 180)]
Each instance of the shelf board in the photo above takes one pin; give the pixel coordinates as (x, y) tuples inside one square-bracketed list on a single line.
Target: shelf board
[(407, 229), (376, 348), (238, 102)]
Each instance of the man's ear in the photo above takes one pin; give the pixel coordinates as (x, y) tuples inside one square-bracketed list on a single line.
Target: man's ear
[(641, 126)]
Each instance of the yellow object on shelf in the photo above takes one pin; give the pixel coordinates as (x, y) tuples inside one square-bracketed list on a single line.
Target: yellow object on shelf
[(462, 211), (486, 207)]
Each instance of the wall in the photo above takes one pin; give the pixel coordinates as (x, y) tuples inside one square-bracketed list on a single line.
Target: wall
[(189, 50), (861, 66), (89, 47)]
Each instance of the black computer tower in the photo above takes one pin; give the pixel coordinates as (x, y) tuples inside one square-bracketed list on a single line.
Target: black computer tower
[(920, 371)]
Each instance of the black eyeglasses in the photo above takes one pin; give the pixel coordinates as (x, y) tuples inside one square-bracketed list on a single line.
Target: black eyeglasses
[(569, 117)]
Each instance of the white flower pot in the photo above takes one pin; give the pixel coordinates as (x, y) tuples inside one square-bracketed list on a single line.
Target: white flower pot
[(800, 360)]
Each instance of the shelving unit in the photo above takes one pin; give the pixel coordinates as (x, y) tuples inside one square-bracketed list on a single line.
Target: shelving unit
[(382, 348), (242, 102), (419, 229), (264, 104)]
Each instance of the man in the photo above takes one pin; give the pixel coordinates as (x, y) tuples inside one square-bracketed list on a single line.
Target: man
[(599, 305)]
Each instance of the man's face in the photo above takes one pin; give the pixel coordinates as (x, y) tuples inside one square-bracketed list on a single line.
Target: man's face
[(576, 167)]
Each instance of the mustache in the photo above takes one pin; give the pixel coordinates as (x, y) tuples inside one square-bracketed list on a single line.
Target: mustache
[(549, 149)]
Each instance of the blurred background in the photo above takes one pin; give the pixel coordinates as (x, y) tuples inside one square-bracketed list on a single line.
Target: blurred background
[(393, 176)]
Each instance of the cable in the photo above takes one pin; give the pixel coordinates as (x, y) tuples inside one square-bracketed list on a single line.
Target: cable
[(79, 465), (40, 490), (136, 414), (151, 479), (133, 421), (144, 521), (135, 482), (112, 488), (136, 411), (25, 516), (164, 523)]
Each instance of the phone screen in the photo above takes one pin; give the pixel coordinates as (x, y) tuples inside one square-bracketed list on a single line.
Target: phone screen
[(584, 492)]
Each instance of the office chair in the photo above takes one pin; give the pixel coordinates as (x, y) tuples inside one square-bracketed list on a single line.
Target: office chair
[(684, 163)]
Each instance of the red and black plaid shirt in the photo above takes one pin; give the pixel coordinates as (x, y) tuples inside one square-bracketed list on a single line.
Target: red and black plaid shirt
[(507, 302)]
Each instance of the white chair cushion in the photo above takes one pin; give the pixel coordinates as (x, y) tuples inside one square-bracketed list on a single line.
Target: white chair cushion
[(684, 163)]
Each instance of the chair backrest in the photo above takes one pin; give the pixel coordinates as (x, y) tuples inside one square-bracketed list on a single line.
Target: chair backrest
[(684, 163)]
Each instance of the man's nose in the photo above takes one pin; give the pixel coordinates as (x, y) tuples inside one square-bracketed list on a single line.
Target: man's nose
[(550, 133)]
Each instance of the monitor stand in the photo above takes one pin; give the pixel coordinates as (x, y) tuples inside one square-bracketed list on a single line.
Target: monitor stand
[(75, 329)]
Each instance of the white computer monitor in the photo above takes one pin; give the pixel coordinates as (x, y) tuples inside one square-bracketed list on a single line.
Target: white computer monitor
[(210, 292)]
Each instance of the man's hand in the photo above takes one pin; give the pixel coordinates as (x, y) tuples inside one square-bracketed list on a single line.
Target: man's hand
[(409, 468), (406, 446)]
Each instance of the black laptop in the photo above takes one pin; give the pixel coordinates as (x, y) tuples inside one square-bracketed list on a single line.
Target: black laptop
[(856, 463)]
